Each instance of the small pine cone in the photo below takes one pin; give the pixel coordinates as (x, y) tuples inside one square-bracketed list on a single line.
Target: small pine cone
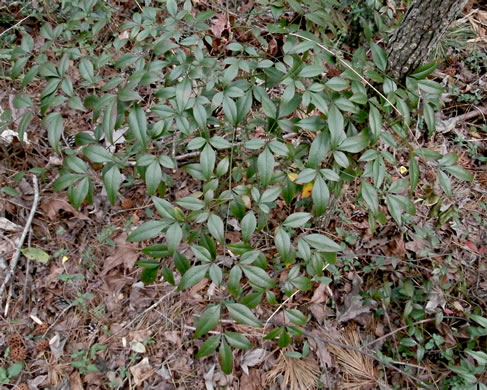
[(15, 340), (42, 345), (18, 354), (41, 328), (22, 386)]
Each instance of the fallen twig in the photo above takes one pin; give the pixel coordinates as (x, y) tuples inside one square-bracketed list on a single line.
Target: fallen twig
[(470, 115), (15, 258)]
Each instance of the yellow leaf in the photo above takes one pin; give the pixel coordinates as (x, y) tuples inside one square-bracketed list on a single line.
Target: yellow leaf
[(307, 189), (65, 259), (403, 170), (292, 176)]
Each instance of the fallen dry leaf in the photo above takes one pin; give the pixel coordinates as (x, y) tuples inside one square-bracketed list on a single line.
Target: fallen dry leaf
[(9, 226), (75, 381), (142, 371), (52, 206), (252, 358), (320, 294), (125, 253), (253, 381), (220, 25)]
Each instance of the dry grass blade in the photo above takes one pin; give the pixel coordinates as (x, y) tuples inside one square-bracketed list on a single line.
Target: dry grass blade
[(298, 374), (357, 369)]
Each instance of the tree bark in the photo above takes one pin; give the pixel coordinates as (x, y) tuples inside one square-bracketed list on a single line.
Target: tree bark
[(420, 31)]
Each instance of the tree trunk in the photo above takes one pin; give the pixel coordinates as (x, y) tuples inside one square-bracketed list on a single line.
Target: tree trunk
[(423, 26)]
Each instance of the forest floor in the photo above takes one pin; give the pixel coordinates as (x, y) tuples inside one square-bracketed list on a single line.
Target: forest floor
[(84, 320)]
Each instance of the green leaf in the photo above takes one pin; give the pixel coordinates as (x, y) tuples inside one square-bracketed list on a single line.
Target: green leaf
[(191, 203), (413, 173), (112, 180), (296, 317), (297, 219), (174, 235), (448, 159), (127, 94), (369, 193), (429, 117), (320, 147), (375, 122), (424, 71), (379, 56), (336, 126), (183, 93), (394, 208), (172, 8), (354, 144), (207, 161), (225, 357), (284, 339), (23, 125), (480, 356), (237, 340), (233, 283), (207, 321), (200, 115), (258, 276), (248, 225), (181, 263), (138, 125), (201, 253), (11, 191), (265, 167), (255, 143), (109, 120), (15, 369), (307, 175), (98, 154), (428, 154), (459, 172), (230, 110), (75, 164), (216, 228), (322, 243), (164, 208), (216, 274), (22, 100), (86, 69), (80, 192), (146, 231), (153, 177), (311, 71), (320, 195), (168, 275), (431, 87), (270, 195), (193, 276), (36, 254), (51, 86), (284, 246), (242, 314), (55, 129), (337, 84), (209, 346), (341, 159), (66, 180), (313, 123), (149, 275), (445, 183), (244, 104), (157, 250)]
